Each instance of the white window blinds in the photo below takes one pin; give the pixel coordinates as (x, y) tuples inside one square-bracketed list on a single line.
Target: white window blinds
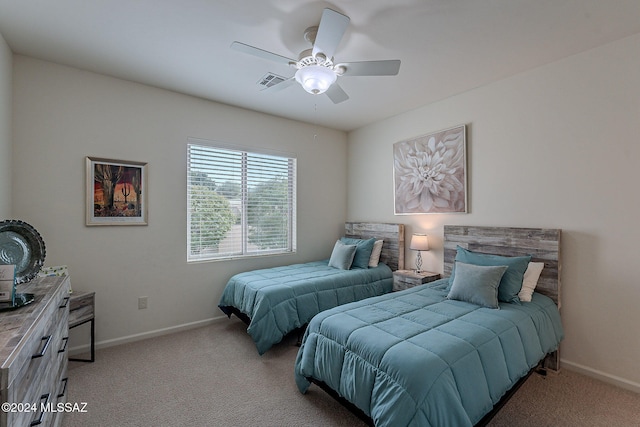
[(239, 203)]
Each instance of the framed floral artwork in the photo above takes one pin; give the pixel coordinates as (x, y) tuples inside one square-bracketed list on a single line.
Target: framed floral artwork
[(116, 192), (430, 173)]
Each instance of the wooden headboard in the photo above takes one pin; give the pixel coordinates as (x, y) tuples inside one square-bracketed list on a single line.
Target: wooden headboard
[(543, 244), (392, 234)]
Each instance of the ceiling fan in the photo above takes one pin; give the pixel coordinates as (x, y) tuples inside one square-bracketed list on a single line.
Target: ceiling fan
[(317, 71)]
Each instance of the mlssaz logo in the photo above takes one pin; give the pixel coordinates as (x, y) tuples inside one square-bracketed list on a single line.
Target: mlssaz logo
[(64, 407)]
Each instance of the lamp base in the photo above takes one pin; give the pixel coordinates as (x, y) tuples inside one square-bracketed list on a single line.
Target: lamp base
[(419, 262)]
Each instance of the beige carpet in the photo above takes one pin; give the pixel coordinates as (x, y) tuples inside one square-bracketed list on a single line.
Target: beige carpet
[(213, 376)]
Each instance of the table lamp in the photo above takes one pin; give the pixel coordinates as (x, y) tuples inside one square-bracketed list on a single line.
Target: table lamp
[(419, 242)]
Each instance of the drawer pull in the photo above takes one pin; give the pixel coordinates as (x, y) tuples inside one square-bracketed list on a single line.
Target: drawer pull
[(66, 302), (47, 340), (64, 345), (44, 397), (64, 387)]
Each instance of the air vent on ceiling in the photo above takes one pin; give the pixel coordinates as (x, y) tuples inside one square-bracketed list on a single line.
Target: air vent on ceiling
[(270, 79)]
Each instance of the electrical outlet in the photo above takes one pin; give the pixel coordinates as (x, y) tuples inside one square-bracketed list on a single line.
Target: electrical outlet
[(142, 303)]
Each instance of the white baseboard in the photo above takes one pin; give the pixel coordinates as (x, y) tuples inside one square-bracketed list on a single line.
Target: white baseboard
[(144, 335), (602, 376)]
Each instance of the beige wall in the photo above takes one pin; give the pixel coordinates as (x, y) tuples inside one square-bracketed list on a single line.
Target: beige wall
[(6, 97), (555, 147), (63, 114)]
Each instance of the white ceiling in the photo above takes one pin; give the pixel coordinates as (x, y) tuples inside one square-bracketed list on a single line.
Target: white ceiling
[(446, 46)]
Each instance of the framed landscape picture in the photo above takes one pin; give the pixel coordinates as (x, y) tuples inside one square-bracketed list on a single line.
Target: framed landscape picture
[(116, 192), (430, 173)]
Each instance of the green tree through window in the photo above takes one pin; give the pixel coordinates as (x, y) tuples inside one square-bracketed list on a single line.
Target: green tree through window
[(267, 214), (211, 219)]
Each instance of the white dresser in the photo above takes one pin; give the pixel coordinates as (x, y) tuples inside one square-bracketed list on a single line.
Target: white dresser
[(33, 355)]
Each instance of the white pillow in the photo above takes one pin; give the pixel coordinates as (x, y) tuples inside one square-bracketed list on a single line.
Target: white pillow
[(375, 253), (530, 280)]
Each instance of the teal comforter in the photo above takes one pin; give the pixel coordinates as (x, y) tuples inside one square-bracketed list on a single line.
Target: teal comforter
[(414, 358), (279, 300)]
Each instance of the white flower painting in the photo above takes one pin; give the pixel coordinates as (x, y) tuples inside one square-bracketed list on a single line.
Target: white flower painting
[(429, 173)]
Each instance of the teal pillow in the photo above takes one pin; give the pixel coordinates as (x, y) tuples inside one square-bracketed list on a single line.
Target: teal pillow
[(342, 256), (511, 282), (364, 247), (477, 284)]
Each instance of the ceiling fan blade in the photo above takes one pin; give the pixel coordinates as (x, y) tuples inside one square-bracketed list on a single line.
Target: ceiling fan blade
[(336, 94), (245, 48), (371, 68), (279, 86), (330, 31)]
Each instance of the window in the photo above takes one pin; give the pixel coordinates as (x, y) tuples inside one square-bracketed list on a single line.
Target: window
[(239, 203)]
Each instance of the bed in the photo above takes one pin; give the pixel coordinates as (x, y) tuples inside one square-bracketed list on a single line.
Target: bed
[(419, 358), (277, 301)]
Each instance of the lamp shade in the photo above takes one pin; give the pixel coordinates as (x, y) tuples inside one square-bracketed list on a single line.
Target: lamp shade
[(316, 79), (419, 242)]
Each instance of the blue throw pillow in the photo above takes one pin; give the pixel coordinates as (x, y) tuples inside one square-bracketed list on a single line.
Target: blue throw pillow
[(477, 284), (342, 256), (511, 282), (364, 247)]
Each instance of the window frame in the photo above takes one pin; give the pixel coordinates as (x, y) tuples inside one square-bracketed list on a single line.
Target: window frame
[(245, 152)]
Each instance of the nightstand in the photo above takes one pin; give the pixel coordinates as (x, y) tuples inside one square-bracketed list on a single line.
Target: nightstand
[(405, 279), (82, 310)]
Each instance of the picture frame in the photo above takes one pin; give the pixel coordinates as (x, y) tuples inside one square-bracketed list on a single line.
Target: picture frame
[(430, 173), (116, 192)]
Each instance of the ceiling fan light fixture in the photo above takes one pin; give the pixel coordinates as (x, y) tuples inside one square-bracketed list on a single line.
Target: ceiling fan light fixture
[(316, 79)]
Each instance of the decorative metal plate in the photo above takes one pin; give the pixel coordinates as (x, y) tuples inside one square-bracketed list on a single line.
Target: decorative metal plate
[(20, 300), (21, 245)]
